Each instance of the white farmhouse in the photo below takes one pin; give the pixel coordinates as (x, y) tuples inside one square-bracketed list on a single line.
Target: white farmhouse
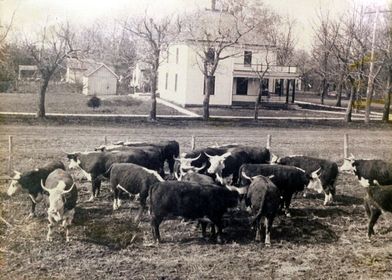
[(236, 79)]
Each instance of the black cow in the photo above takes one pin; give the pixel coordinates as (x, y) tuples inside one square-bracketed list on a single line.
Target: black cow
[(377, 201), (133, 179), (168, 149), (372, 169), (328, 172), (263, 198), (190, 201), (230, 162), (97, 164), (30, 182), (288, 179)]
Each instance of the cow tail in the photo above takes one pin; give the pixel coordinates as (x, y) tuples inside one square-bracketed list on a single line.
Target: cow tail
[(260, 212), (239, 176), (107, 172)]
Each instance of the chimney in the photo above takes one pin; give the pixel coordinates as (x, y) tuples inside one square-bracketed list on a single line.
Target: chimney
[(213, 5)]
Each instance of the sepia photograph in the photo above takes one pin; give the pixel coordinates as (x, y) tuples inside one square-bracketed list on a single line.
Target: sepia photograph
[(195, 139)]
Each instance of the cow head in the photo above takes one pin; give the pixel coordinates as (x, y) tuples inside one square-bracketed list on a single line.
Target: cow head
[(348, 165), (315, 182), (217, 163), (57, 199), (186, 163), (191, 170), (14, 185)]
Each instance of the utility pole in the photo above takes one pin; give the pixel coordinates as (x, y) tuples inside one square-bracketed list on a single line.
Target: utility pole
[(371, 78)]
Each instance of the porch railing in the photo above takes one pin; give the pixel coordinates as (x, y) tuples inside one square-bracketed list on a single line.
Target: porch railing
[(264, 67)]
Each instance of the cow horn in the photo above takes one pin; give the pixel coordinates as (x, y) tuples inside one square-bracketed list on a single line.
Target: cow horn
[(239, 190), (314, 173), (176, 175), (208, 155), (225, 155), (352, 156), (271, 176), (17, 172), (197, 169), (192, 159), (274, 159), (70, 189), (246, 176), (43, 187)]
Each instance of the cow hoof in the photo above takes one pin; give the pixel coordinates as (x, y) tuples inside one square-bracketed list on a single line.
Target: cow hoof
[(288, 215), (91, 199), (49, 239), (267, 244), (31, 215), (219, 240)]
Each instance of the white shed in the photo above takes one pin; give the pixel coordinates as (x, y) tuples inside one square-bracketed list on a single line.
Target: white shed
[(100, 81)]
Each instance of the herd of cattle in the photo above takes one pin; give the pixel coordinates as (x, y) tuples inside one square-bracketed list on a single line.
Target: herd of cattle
[(203, 184)]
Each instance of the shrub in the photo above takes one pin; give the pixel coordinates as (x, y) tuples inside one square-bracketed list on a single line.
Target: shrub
[(94, 102)]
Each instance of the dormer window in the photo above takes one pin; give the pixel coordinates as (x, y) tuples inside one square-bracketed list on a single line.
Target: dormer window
[(248, 58)]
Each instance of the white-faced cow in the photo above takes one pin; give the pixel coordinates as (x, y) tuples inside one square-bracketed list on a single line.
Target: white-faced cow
[(328, 172), (190, 201), (372, 169), (30, 182), (377, 201), (133, 179), (228, 164), (97, 164), (263, 198), (288, 179), (63, 195)]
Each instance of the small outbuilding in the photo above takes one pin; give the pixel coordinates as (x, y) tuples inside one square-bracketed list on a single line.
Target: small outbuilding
[(100, 80)]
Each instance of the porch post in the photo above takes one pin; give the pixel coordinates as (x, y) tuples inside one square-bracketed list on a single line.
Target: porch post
[(293, 96), (287, 91)]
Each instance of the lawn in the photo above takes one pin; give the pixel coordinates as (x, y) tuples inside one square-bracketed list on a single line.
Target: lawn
[(318, 242), (75, 103)]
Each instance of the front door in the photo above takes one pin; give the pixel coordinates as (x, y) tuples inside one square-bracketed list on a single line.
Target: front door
[(242, 86)]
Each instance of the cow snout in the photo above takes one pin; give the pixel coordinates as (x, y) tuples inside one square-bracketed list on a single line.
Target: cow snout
[(13, 188)]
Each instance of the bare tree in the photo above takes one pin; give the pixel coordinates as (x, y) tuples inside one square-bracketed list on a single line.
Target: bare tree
[(214, 34), (49, 52), (156, 34)]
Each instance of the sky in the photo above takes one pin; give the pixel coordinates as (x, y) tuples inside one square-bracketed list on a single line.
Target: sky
[(31, 14)]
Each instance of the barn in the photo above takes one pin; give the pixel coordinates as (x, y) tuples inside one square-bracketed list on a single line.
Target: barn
[(100, 80)]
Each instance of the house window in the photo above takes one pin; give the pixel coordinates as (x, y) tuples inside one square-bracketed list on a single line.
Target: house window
[(212, 79), (248, 58), (175, 82), (210, 57), (177, 53), (242, 86), (166, 80)]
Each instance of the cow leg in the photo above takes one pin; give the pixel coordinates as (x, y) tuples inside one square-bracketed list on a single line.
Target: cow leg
[(32, 210), (219, 224), (115, 198), (67, 223), (50, 228), (375, 214), (258, 229), (367, 208), (287, 201), (268, 227), (170, 163), (155, 222), (203, 228)]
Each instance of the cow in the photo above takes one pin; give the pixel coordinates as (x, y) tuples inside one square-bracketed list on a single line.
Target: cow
[(133, 179), (63, 196), (288, 179), (190, 201), (328, 173), (263, 198), (30, 182), (97, 164), (377, 201), (229, 163), (372, 169), (168, 149), (194, 176)]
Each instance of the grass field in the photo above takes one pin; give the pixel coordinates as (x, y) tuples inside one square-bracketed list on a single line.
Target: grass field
[(318, 242)]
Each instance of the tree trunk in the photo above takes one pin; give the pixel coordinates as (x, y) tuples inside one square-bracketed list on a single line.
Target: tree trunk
[(387, 98), (258, 100), (369, 96), (339, 95), (206, 101), (349, 109), (153, 111), (41, 104), (324, 90)]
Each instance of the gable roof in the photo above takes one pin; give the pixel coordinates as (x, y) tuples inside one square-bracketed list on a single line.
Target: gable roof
[(92, 70)]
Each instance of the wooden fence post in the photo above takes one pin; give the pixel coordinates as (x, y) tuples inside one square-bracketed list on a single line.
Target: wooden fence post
[(10, 154), (106, 140), (345, 146), (269, 141), (193, 143)]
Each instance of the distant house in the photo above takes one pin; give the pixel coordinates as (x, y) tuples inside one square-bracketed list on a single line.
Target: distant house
[(76, 69), (100, 80), (141, 77), (28, 72)]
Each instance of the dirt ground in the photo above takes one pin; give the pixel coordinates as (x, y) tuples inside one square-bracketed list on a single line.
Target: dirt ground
[(317, 242)]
